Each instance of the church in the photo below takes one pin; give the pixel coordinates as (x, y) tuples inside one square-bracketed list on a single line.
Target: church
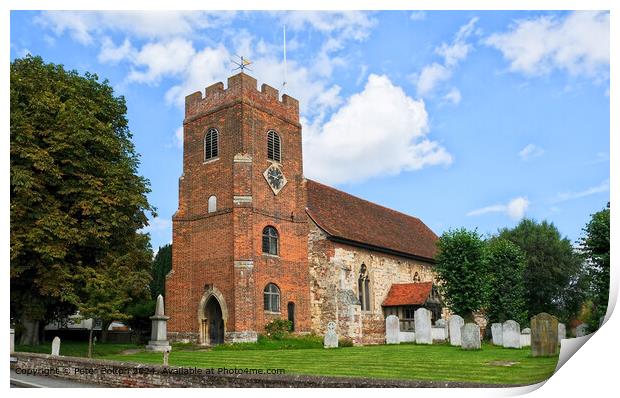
[(254, 240)]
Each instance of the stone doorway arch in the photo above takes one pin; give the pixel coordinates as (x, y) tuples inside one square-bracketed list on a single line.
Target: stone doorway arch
[(212, 317)]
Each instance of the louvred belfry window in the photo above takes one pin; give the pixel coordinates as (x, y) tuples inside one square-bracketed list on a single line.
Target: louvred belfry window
[(273, 146), (211, 144)]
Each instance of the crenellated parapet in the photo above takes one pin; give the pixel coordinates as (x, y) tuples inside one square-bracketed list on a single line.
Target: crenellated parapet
[(241, 87)]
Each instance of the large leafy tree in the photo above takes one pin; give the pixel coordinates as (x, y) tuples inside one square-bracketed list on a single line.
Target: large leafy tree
[(552, 266), (162, 264), (506, 286), (462, 271), (77, 201), (595, 245)]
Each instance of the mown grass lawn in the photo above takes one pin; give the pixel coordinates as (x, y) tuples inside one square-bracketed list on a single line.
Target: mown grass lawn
[(404, 361), (79, 348)]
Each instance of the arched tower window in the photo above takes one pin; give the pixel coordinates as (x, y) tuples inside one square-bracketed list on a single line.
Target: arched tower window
[(271, 296), (273, 146), (211, 144), (270, 240), (212, 204), (363, 288)]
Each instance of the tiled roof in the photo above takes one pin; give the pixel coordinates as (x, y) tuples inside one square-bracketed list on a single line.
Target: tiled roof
[(353, 219), (408, 294)]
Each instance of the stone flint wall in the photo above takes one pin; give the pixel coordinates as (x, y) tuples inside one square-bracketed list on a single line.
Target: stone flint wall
[(125, 374)]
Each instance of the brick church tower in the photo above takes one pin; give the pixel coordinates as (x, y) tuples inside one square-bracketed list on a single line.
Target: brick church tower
[(240, 234)]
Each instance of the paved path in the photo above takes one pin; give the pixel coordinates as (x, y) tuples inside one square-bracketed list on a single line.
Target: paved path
[(27, 381)]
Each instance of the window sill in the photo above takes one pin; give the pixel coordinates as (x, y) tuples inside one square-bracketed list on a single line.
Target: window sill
[(272, 313), (212, 160), (271, 255)]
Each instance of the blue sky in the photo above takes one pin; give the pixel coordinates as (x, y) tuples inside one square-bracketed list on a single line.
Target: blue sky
[(468, 118)]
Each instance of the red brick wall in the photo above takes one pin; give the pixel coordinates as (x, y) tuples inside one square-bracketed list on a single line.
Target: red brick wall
[(206, 245)]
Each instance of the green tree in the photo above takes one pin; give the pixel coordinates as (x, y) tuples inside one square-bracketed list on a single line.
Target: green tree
[(462, 271), (552, 266), (595, 245), (77, 201), (506, 264), (162, 264)]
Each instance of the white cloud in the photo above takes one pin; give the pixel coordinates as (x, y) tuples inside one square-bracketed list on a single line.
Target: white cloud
[(83, 25), (453, 96), (379, 131), (430, 76), (530, 151), (579, 44), (354, 25), (161, 59), (515, 208), (453, 53), (157, 224), (178, 137), (417, 15), (565, 196), (111, 53)]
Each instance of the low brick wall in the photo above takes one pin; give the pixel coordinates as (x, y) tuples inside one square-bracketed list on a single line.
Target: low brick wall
[(127, 374)]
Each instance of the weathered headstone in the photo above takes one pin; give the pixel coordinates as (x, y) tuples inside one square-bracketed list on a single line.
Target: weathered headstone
[(166, 357), (456, 322), (422, 322), (581, 330), (392, 329), (561, 332), (526, 337), (330, 340), (496, 333), (440, 323), (470, 336), (511, 334), (544, 335), (56, 346), (12, 340), (159, 335)]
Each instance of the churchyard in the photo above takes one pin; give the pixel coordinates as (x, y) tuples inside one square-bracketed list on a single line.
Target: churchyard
[(405, 361)]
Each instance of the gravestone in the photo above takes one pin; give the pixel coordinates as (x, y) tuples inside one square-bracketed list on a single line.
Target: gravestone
[(470, 336), (166, 357), (56, 346), (331, 337), (422, 322), (441, 323), (159, 335), (496, 333), (440, 330), (544, 335), (456, 322), (392, 329), (581, 330), (12, 340), (511, 334), (561, 332), (526, 337)]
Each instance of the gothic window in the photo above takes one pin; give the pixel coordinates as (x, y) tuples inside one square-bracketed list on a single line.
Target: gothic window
[(212, 204), (271, 296), (270, 241), (363, 288), (211, 144), (273, 146)]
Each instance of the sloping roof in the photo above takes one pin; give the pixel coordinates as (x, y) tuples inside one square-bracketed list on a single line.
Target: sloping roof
[(408, 294), (357, 220)]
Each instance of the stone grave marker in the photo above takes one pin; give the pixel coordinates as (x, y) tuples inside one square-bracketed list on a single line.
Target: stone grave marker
[(331, 337), (422, 322), (456, 322), (511, 334), (392, 330), (56, 346), (12, 340), (496, 333), (561, 332), (159, 335), (470, 337), (544, 335), (581, 330), (526, 337)]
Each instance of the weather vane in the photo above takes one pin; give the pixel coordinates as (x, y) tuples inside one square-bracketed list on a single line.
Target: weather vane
[(242, 64)]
